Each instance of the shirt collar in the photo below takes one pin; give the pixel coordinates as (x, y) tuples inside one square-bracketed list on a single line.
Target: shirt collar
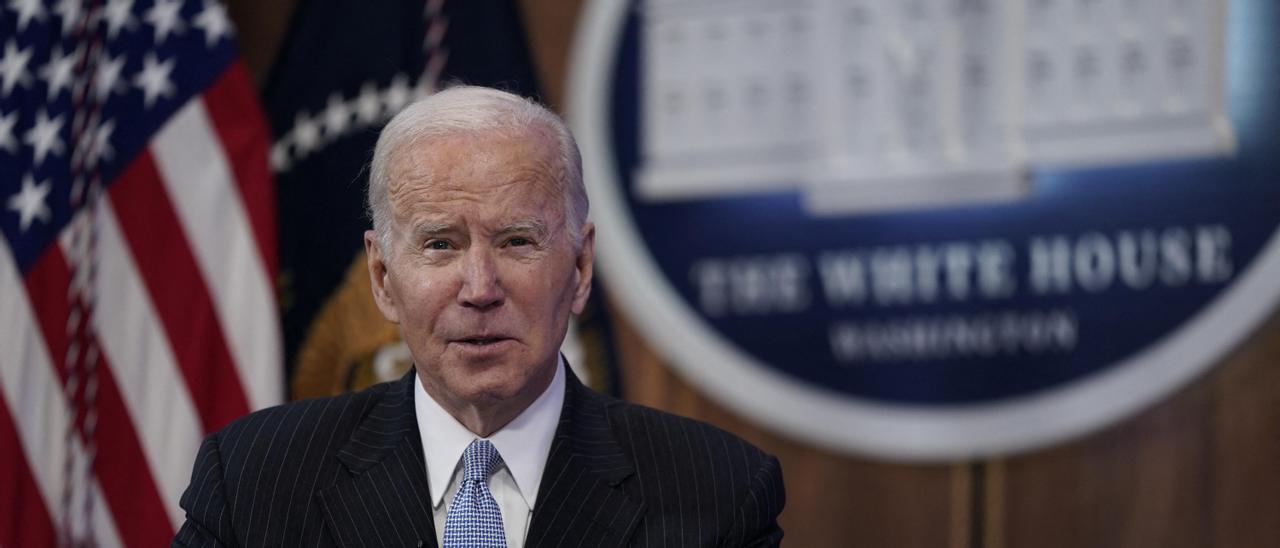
[(524, 443)]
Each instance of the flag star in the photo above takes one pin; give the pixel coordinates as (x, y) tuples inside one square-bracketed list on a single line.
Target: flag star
[(306, 134), (59, 71), (29, 202), (43, 137), (69, 12), (280, 156), (13, 67), (107, 79), (214, 22), (119, 15), (337, 116), (27, 10), (154, 79), (166, 17), (7, 141), (397, 95), (368, 104)]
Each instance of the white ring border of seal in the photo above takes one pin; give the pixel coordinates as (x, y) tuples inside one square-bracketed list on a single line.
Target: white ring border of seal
[(827, 419)]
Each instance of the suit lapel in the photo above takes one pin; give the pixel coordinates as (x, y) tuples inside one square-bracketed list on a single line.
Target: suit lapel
[(581, 500), (384, 500)]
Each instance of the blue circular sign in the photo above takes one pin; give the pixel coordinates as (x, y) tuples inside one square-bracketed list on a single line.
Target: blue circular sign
[(873, 228)]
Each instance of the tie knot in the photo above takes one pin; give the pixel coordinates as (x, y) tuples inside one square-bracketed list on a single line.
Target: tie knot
[(479, 460)]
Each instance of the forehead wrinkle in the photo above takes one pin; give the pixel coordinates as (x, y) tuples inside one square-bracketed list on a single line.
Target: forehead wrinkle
[(427, 228), (413, 176), (464, 179), (533, 225), (404, 168), (538, 163), (430, 228)]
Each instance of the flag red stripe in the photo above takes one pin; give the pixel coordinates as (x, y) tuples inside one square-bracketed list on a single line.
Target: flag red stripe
[(121, 467), (29, 524), (234, 113), (178, 292)]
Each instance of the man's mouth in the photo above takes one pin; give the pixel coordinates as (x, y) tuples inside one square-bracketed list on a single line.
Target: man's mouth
[(482, 341)]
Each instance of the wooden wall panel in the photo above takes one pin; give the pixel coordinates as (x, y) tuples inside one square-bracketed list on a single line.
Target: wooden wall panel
[(1244, 449), (1139, 484), (831, 498), (1201, 468)]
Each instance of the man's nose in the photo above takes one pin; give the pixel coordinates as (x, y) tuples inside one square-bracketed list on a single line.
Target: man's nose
[(481, 285)]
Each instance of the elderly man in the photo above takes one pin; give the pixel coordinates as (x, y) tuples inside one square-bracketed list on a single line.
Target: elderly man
[(480, 251)]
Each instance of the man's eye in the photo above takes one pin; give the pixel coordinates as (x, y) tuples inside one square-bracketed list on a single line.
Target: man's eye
[(438, 245), (517, 242)]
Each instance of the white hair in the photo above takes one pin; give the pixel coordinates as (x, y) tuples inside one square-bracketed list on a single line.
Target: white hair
[(470, 110)]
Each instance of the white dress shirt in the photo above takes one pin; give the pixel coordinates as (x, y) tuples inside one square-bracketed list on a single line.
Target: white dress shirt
[(524, 444)]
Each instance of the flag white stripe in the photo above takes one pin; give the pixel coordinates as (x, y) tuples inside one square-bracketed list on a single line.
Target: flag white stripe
[(155, 395), (36, 400), (203, 190), (104, 527), (34, 395)]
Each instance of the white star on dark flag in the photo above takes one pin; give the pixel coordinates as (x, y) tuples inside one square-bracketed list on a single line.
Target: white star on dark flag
[(58, 72), (43, 137), (108, 77), (13, 67), (368, 104), (29, 202), (214, 22), (337, 116), (27, 10), (100, 146), (306, 134), (119, 15), (69, 12), (398, 94), (165, 16), (153, 79)]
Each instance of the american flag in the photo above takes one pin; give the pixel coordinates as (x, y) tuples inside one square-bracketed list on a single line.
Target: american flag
[(137, 311)]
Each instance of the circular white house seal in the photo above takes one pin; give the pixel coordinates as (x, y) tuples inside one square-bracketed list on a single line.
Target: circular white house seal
[(934, 230)]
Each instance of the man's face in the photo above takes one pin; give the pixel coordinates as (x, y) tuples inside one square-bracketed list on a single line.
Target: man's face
[(480, 270)]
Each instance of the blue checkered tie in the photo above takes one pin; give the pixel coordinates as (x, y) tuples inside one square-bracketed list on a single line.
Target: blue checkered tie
[(474, 519)]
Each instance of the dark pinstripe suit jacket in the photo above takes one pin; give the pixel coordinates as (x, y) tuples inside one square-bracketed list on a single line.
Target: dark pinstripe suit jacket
[(348, 471)]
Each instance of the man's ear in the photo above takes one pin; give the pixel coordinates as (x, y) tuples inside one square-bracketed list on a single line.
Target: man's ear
[(584, 268), (383, 295)]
